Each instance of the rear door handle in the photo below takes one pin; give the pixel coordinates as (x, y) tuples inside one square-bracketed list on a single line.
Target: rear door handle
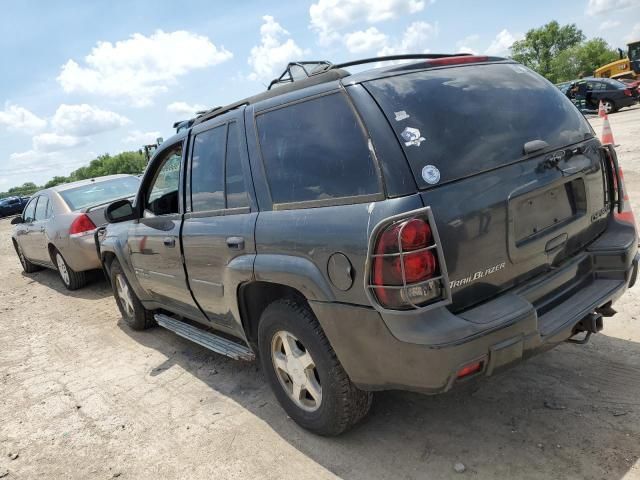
[(235, 243), (169, 242)]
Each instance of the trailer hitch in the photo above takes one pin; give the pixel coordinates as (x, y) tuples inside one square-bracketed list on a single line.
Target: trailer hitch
[(591, 324)]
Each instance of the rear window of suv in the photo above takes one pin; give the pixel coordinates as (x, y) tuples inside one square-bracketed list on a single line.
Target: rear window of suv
[(316, 150), (468, 119)]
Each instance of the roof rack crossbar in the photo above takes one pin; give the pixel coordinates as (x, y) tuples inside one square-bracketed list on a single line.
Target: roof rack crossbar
[(413, 56)]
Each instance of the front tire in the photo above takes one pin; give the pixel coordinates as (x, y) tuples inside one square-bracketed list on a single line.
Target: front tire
[(71, 279), (304, 372), (133, 313), (27, 266)]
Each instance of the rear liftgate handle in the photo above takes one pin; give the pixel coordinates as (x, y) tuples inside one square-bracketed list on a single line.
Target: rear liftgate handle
[(235, 243)]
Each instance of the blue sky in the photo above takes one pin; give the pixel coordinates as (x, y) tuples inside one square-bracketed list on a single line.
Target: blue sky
[(85, 78)]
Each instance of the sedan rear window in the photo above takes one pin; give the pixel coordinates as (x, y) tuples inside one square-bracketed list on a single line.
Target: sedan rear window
[(98, 193), (455, 122)]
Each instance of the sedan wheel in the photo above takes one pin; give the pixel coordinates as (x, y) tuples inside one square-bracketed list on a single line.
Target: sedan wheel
[(296, 371), (608, 106), (72, 280), (62, 268)]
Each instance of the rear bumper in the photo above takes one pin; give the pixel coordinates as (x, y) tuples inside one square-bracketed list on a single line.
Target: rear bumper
[(424, 352)]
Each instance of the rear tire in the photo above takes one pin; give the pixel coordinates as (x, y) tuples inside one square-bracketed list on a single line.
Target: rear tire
[(27, 266), (609, 106), (309, 381), (71, 279), (133, 313)]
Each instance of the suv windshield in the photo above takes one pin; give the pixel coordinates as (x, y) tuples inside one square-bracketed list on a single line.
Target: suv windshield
[(468, 119), (97, 193)]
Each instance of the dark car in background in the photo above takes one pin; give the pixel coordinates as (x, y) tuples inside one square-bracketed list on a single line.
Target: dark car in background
[(12, 206), (57, 225), (613, 94)]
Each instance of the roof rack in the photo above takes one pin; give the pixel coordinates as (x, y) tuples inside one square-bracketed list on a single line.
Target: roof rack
[(387, 58), (298, 75)]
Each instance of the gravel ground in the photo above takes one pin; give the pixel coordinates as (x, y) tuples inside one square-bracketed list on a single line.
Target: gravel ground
[(82, 396)]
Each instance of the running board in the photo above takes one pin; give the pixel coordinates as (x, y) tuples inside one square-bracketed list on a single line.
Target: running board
[(206, 339)]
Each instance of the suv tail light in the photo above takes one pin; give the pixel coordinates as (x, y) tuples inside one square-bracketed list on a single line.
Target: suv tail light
[(82, 225), (623, 211), (405, 265)]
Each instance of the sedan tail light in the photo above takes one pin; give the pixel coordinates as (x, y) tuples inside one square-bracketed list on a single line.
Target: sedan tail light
[(627, 92), (406, 267), (82, 225)]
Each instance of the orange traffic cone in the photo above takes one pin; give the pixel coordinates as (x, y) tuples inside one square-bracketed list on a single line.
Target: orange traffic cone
[(607, 135)]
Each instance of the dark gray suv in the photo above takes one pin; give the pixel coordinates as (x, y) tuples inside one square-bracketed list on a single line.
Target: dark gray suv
[(406, 227)]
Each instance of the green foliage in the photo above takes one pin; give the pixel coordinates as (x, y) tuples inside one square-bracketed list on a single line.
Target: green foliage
[(581, 60), (560, 53), (125, 162), (538, 49)]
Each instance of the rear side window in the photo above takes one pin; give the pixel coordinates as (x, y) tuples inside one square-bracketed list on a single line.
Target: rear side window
[(207, 170), (468, 119), (236, 188), (316, 150), (42, 208)]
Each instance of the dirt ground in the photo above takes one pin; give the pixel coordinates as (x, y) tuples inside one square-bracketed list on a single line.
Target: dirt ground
[(84, 397)]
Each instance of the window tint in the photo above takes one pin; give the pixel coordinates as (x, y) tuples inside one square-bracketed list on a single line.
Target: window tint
[(41, 208), (464, 120), (316, 150), (29, 211), (163, 194), (207, 174), (236, 188)]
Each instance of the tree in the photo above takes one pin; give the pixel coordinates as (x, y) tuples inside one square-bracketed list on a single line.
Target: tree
[(541, 45), (581, 60), (57, 180)]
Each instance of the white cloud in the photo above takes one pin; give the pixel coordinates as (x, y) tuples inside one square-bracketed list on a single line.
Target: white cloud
[(608, 24), (414, 40), (464, 45), (53, 142), (328, 17), (599, 7), (39, 166), (18, 118), (83, 120), (185, 109), (272, 55), (635, 33), (140, 67), (365, 40), (142, 138), (502, 43)]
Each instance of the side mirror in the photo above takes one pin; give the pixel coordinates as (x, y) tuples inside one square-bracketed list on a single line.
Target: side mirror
[(120, 211), (16, 220)]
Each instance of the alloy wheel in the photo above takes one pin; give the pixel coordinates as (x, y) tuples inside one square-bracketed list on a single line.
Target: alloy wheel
[(296, 370), (124, 295), (62, 268)]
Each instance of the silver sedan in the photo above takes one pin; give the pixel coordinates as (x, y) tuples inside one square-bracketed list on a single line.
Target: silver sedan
[(56, 227)]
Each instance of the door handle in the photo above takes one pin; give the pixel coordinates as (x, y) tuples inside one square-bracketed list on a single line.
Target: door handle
[(235, 243), (169, 242)]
